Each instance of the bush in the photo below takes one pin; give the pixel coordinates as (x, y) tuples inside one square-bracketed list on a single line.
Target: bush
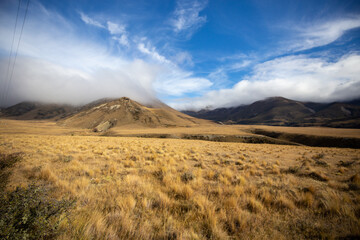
[(28, 213)]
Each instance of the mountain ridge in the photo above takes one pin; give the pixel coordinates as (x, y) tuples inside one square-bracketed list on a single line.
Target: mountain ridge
[(280, 111), (127, 112)]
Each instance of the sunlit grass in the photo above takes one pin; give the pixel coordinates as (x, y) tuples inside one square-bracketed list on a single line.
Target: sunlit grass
[(133, 188)]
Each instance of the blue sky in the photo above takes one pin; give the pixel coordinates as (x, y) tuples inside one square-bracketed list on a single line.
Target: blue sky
[(189, 54)]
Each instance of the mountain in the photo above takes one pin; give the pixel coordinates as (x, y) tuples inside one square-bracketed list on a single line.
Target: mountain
[(39, 111), (286, 112), (124, 111)]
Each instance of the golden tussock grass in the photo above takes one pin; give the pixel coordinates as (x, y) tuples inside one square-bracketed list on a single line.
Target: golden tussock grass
[(134, 188)]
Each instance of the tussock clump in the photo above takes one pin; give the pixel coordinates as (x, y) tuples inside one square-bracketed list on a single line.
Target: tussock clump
[(160, 174), (307, 171), (306, 200), (7, 161), (345, 164), (254, 205), (283, 202), (318, 156), (317, 176), (354, 182), (65, 158), (187, 177)]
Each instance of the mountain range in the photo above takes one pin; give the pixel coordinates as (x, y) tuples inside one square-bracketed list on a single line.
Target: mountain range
[(106, 113), (279, 111)]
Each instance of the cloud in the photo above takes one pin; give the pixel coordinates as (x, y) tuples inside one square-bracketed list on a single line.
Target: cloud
[(118, 31), (175, 82), (322, 34), (86, 19), (123, 40), (186, 16), (238, 66), (38, 80), (172, 81), (295, 77), (151, 51), (115, 28), (184, 58)]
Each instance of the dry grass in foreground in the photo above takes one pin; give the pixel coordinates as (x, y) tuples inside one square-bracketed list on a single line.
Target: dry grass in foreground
[(132, 188)]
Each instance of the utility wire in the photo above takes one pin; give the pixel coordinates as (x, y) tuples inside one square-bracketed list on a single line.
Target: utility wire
[(17, 49), (12, 45)]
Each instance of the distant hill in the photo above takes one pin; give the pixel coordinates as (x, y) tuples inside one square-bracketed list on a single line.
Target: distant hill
[(279, 111), (124, 111), (38, 111)]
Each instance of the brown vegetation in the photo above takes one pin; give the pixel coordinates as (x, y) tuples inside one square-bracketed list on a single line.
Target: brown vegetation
[(137, 188)]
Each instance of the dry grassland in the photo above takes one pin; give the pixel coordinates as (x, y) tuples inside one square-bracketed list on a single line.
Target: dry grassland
[(134, 188)]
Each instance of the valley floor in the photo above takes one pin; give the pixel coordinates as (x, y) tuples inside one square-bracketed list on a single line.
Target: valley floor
[(146, 188)]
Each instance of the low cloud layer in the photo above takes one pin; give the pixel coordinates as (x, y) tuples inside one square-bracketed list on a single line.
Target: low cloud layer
[(38, 80), (296, 77)]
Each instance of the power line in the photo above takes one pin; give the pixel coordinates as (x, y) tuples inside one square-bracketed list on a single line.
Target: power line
[(17, 49), (12, 44)]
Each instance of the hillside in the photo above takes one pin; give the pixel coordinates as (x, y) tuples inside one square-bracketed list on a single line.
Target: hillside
[(37, 111), (285, 112), (125, 111)]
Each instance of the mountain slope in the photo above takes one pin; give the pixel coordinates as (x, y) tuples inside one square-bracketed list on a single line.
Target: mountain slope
[(286, 112), (33, 110), (125, 111)]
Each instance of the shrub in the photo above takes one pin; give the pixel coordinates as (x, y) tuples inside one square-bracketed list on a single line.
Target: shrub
[(29, 213)]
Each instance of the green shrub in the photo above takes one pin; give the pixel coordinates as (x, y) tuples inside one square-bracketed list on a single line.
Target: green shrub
[(29, 213)]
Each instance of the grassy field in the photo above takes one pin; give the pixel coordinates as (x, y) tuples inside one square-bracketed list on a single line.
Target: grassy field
[(136, 188)]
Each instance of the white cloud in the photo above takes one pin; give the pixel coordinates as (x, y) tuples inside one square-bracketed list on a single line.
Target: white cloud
[(123, 40), (175, 82), (86, 19), (172, 81), (151, 51), (308, 37), (115, 29), (179, 87), (218, 75), (237, 66), (183, 57), (119, 33), (186, 16), (295, 77), (38, 80)]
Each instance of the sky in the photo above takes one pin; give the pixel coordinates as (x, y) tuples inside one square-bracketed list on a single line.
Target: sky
[(190, 54)]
